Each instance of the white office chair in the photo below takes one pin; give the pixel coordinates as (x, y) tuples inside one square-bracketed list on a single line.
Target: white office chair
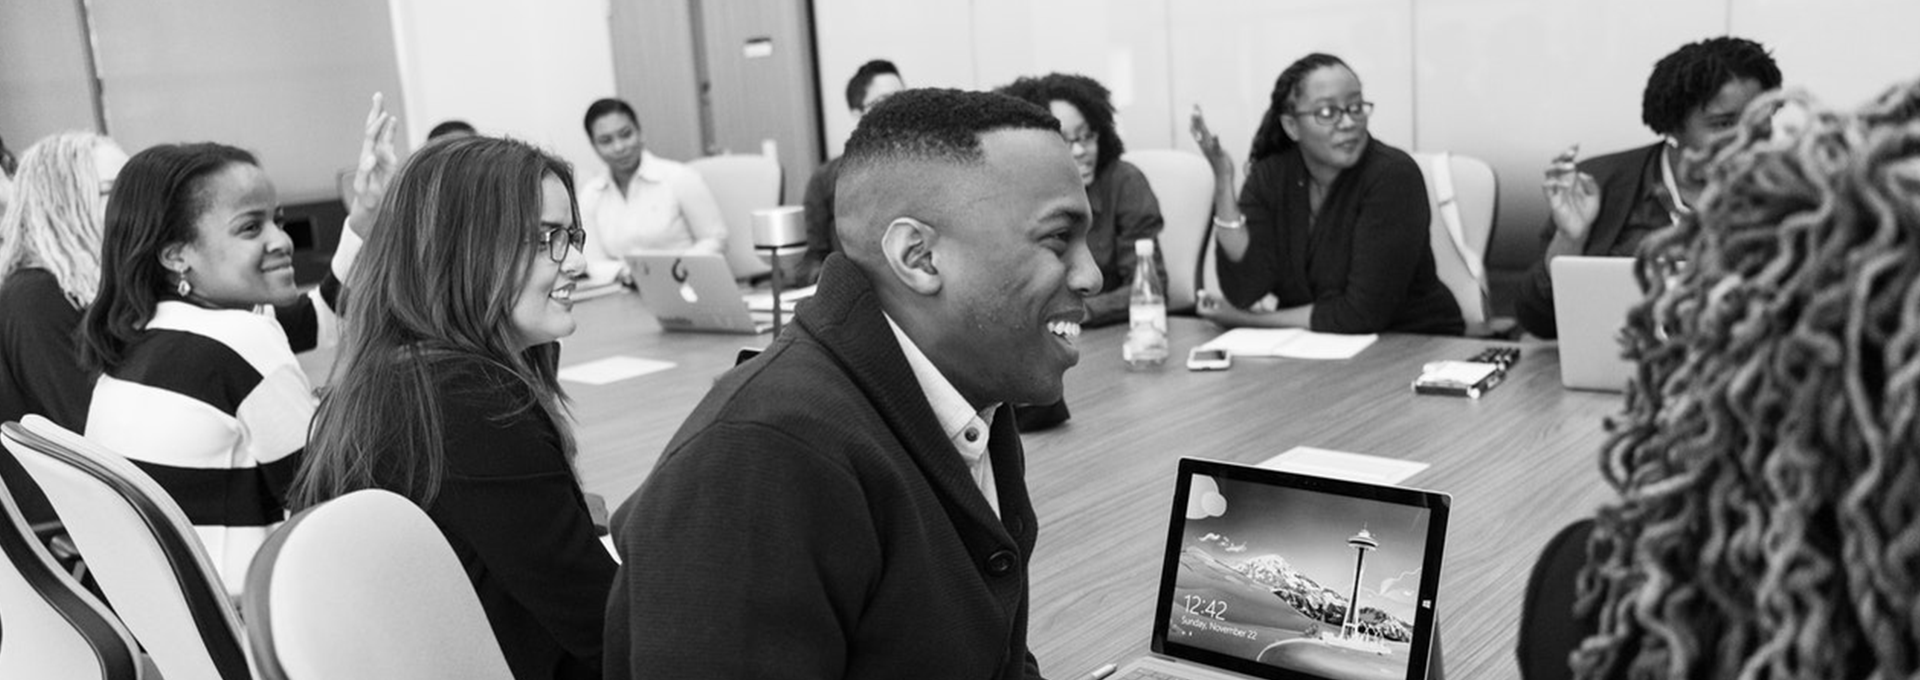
[(50, 626), (1183, 183), (741, 184), (142, 550), (365, 586), (1466, 188)]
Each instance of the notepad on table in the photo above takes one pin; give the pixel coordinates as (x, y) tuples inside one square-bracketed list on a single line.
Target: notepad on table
[(762, 300), (1358, 467), (1292, 343), (612, 369)]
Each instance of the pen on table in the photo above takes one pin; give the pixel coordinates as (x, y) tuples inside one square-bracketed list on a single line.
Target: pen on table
[(1102, 672)]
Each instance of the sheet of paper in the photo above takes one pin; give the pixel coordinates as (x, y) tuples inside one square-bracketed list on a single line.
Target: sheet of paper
[(1357, 467), (1292, 343), (762, 300), (612, 369)]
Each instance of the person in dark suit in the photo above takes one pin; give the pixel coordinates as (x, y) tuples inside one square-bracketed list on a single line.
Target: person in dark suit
[(1604, 206), (852, 503)]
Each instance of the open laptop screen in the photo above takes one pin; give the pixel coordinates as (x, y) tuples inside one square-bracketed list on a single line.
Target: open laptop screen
[(1263, 567)]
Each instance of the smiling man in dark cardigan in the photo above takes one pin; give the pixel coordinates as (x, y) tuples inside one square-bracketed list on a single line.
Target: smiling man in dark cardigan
[(852, 503)]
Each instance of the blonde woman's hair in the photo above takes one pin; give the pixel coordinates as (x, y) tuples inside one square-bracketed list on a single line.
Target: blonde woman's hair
[(54, 219)]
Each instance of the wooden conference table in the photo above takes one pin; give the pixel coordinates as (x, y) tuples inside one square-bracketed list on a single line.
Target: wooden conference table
[(1521, 462)]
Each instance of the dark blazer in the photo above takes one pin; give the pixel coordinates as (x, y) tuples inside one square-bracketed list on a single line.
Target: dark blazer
[(1622, 178), (1366, 267), (514, 514), (812, 520)]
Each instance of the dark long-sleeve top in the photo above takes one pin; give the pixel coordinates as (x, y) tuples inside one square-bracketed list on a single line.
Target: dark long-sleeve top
[(514, 514), (1365, 264), (1124, 210), (821, 239), (39, 364), (1633, 203), (39, 371), (812, 519)]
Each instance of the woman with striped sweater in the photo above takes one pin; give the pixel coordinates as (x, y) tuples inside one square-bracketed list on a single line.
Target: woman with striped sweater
[(193, 334)]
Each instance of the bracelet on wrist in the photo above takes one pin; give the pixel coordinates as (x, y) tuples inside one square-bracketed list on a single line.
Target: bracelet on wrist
[(1236, 223)]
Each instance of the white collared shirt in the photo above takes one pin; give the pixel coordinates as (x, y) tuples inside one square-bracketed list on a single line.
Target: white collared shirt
[(965, 427), (667, 207)]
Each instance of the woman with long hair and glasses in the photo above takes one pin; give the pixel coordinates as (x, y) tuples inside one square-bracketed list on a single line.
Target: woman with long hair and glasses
[(446, 390), (194, 329), (1769, 452), (1330, 232)]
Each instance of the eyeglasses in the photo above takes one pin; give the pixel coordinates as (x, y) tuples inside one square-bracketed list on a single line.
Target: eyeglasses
[(1087, 139), (1330, 114), (576, 238)]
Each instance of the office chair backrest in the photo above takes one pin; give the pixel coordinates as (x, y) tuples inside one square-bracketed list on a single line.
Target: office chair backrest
[(141, 549), (1183, 183), (365, 586), (50, 626), (741, 184), (1462, 193)]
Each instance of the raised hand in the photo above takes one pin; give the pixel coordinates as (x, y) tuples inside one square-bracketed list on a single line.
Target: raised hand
[(1210, 145), (378, 163), (1573, 197)]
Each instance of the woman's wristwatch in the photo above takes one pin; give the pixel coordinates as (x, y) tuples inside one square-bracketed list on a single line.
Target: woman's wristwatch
[(1235, 223)]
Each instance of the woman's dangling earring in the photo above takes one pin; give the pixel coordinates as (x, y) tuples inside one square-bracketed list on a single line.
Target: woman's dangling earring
[(183, 287)]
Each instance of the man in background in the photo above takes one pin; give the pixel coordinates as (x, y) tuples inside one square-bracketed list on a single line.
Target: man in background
[(873, 83)]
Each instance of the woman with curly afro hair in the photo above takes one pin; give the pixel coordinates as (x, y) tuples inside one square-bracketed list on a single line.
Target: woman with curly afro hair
[(1604, 206), (1769, 451)]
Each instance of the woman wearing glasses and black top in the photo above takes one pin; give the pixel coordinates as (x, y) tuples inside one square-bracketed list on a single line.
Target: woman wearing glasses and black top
[(1330, 232), (446, 390)]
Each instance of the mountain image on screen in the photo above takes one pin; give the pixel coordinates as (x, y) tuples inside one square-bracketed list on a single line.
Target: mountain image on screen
[(1262, 608)]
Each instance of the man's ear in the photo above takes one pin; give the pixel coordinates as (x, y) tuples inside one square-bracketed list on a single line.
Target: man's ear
[(907, 247)]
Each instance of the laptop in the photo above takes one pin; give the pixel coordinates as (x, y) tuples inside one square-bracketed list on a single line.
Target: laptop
[(694, 293), (1260, 567), (1591, 296)]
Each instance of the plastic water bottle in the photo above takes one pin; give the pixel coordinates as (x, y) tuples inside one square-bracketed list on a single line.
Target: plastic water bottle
[(1146, 345)]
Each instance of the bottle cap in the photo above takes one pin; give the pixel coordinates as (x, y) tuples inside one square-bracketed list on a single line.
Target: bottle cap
[(1143, 247)]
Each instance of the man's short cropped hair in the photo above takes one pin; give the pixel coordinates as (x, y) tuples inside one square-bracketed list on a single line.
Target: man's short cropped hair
[(938, 125)]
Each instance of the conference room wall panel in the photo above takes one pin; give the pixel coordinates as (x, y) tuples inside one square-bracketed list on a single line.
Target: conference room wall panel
[(1843, 51), (931, 42), (523, 68), (1121, 43), (1227, 53), (43, 72), (287, 80)]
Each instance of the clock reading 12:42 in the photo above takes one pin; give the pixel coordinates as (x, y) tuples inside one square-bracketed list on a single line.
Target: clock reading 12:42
[(1198, 606)]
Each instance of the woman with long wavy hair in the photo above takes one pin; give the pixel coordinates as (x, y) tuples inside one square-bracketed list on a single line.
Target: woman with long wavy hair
[(446, 390), (1768, 458)]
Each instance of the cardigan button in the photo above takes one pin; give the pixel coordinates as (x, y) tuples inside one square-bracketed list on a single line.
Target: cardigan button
[(1001, 563)]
